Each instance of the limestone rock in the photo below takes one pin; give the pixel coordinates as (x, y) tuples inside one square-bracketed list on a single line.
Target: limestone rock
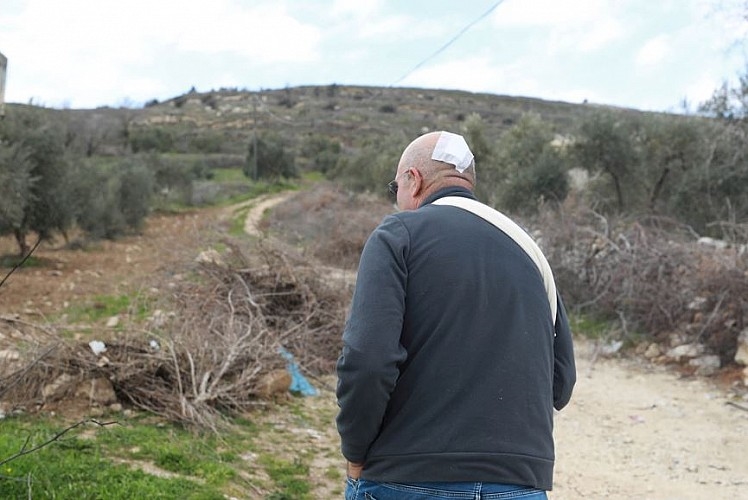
[(706, 365), (685, 351), (58, 387), (741, 356), (274, 382), (98, 390), (653, 351), (210, 256)]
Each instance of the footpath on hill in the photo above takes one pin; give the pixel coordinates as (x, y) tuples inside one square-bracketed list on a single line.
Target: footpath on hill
[(632, 429)]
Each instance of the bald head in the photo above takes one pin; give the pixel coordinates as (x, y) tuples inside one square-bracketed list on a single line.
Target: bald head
[(434, 174)]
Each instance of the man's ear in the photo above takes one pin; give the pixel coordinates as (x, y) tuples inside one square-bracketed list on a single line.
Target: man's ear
[(417, 187)]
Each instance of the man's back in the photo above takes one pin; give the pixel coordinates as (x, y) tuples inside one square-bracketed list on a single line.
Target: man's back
[(473, 398)]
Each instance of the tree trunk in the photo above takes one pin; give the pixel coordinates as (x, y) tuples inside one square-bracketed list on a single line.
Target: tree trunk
[(657, 189), (21, 240)]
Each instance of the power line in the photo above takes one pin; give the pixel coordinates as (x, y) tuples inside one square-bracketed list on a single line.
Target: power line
[(450, 42)]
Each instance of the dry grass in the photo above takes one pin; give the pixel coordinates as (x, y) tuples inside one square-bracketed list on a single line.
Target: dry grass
[(329, 223), (651, 276), (227, 324)]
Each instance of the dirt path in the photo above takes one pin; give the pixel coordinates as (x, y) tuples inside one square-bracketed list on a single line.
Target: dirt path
[(635, 431), (257, 210), (630, 431)]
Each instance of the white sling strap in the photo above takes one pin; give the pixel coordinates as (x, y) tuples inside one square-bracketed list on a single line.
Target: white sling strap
[(511, 229)]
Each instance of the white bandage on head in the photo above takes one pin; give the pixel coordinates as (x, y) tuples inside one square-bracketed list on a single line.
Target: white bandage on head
[(452, 148)]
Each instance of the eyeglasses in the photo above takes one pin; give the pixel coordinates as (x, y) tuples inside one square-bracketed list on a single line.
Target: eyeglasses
[(392, 185)]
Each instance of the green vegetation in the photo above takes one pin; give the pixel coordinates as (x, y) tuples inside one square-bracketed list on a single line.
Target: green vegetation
[(106, 306), (77, 467), (290, 478), (103, 171), (268, 157), (142, 458), (10, 261), (230, 175)]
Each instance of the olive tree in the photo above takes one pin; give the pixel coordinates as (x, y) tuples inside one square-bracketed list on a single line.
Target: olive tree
[(268, 157), (15, 187), (38, 164), (532, 167)]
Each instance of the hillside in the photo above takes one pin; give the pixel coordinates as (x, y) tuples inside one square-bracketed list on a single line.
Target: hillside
[(350, 114), (632, 428)]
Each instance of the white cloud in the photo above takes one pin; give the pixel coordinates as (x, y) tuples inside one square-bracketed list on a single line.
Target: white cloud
[(701, 88), (356, 8), (550, 12), (653, 51), (579, 26), (476, 74), (106, 45), (99, 52)]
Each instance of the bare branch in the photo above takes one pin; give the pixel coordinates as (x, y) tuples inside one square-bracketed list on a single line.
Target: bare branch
[(25, 451)]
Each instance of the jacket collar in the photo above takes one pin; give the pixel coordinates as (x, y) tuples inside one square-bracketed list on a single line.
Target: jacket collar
[(449, 191)]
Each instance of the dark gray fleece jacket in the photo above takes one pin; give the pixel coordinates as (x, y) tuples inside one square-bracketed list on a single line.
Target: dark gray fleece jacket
[(450, 369)]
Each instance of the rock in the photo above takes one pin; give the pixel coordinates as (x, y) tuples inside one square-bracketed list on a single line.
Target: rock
[(697, 304), (8, 355), (112, 322), (210, 256), (58, 388), (10, 361), (115, 407), (706, 365), (713, 243), (99, 390), (158, 319), (685, 351), (745, 376), (653, 351), (274, 382), (741, 355)]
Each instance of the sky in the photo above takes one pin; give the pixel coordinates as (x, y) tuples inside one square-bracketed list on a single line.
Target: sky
[(651, 55)]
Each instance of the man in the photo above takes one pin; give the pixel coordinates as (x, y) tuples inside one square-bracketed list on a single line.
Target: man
[(456, 349)]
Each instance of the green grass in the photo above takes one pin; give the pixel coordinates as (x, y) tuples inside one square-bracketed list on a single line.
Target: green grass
[(260, 188), (114, 461), (230, 175), (11, 261), (237, 222), (290, 478), (106, 306), (173, 449), (589, 326), (82, 468)]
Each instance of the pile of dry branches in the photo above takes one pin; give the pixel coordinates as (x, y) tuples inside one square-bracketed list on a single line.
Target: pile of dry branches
[(227, 324), (652, 276)]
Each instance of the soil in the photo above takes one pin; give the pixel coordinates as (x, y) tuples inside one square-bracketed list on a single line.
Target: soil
[(632, 429)]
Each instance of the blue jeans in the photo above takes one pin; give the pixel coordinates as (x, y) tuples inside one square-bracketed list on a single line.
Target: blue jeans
[(362, 489)]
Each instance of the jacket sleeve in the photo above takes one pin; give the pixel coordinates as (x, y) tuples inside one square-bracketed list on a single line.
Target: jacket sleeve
[(368, 367), (564, 368)]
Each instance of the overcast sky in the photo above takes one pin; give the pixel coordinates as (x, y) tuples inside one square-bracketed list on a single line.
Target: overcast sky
[(644, 54)]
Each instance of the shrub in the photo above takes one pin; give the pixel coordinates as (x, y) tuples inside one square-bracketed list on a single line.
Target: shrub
[(368, 169), (323, 153), (271, 160), (112, 201), (151, 139)]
